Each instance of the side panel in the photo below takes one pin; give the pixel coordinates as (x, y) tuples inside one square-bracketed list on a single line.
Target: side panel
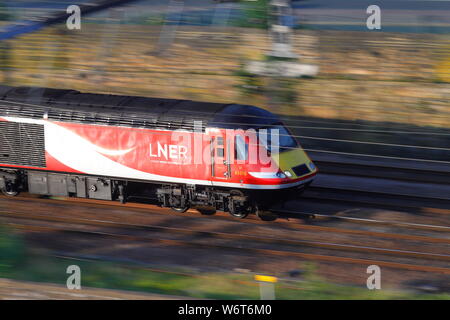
[(126, 153), (58, 185), (99, 189), (63, 185), (81, 190), (152, 155), (38, 183)]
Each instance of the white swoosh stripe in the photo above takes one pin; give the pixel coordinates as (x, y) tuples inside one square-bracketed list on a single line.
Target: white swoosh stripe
[(93, 146), (81, 155)]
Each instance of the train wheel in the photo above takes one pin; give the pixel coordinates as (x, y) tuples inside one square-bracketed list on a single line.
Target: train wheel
[(239, 215), (206, 211), (178, 204), (10, 190), (236, 210), (180, 210), (266, 215)]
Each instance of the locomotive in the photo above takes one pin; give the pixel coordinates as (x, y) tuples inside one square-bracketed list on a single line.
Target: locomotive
[(183, 153)]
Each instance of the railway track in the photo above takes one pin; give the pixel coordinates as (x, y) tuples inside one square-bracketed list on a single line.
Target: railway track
[(208, 239), (365, 232), (289, 217), (378, 199), (374, 222), (323, 251), (383, 171)]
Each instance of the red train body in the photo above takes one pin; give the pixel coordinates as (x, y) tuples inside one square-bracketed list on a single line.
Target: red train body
[(67, 143)]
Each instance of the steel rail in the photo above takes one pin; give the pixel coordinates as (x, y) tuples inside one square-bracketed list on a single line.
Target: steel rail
[(384, 172), (376, 222), (392, 200), (141, 207)]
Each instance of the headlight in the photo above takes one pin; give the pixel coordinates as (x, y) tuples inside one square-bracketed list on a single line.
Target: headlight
[(268, 175), (312, 166), (281, 175), (288, 173)]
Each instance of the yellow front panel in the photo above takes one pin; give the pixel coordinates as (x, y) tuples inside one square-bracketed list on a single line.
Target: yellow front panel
[(289, 159)]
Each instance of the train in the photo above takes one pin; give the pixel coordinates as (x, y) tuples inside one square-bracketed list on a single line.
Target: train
[(235, 158)]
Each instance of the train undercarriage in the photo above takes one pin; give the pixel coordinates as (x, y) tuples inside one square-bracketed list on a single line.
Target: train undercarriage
[(179, 197)]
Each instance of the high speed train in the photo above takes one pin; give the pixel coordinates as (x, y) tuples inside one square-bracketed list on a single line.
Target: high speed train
[(183, 153)]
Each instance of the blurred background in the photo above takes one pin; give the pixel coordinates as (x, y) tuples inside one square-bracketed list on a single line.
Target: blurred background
[(377, 80), (382, 93)]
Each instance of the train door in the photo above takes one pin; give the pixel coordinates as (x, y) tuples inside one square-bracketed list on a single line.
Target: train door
[(220, 156)]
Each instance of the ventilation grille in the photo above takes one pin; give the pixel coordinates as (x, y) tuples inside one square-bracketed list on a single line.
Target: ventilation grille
[(123, 120), (181, 120), (13, 110), (22, 144)]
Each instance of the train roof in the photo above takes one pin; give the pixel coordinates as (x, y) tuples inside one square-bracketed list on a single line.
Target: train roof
[(130, 111)]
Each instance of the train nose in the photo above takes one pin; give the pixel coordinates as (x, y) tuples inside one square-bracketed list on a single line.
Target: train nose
[(295, 163)]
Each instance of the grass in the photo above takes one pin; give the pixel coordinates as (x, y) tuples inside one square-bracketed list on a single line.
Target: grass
[(30, 264)]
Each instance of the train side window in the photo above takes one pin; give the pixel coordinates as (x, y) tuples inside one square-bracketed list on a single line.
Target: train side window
[(240, 148), (220, 152)]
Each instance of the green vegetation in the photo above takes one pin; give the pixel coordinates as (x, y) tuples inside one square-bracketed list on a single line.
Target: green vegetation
[(5, 14), (34, 265), (255, 14), (250, 85), (12, 252)]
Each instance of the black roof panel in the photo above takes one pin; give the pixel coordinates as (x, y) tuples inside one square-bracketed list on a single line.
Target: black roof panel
[(243, 116), (74, 106)]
